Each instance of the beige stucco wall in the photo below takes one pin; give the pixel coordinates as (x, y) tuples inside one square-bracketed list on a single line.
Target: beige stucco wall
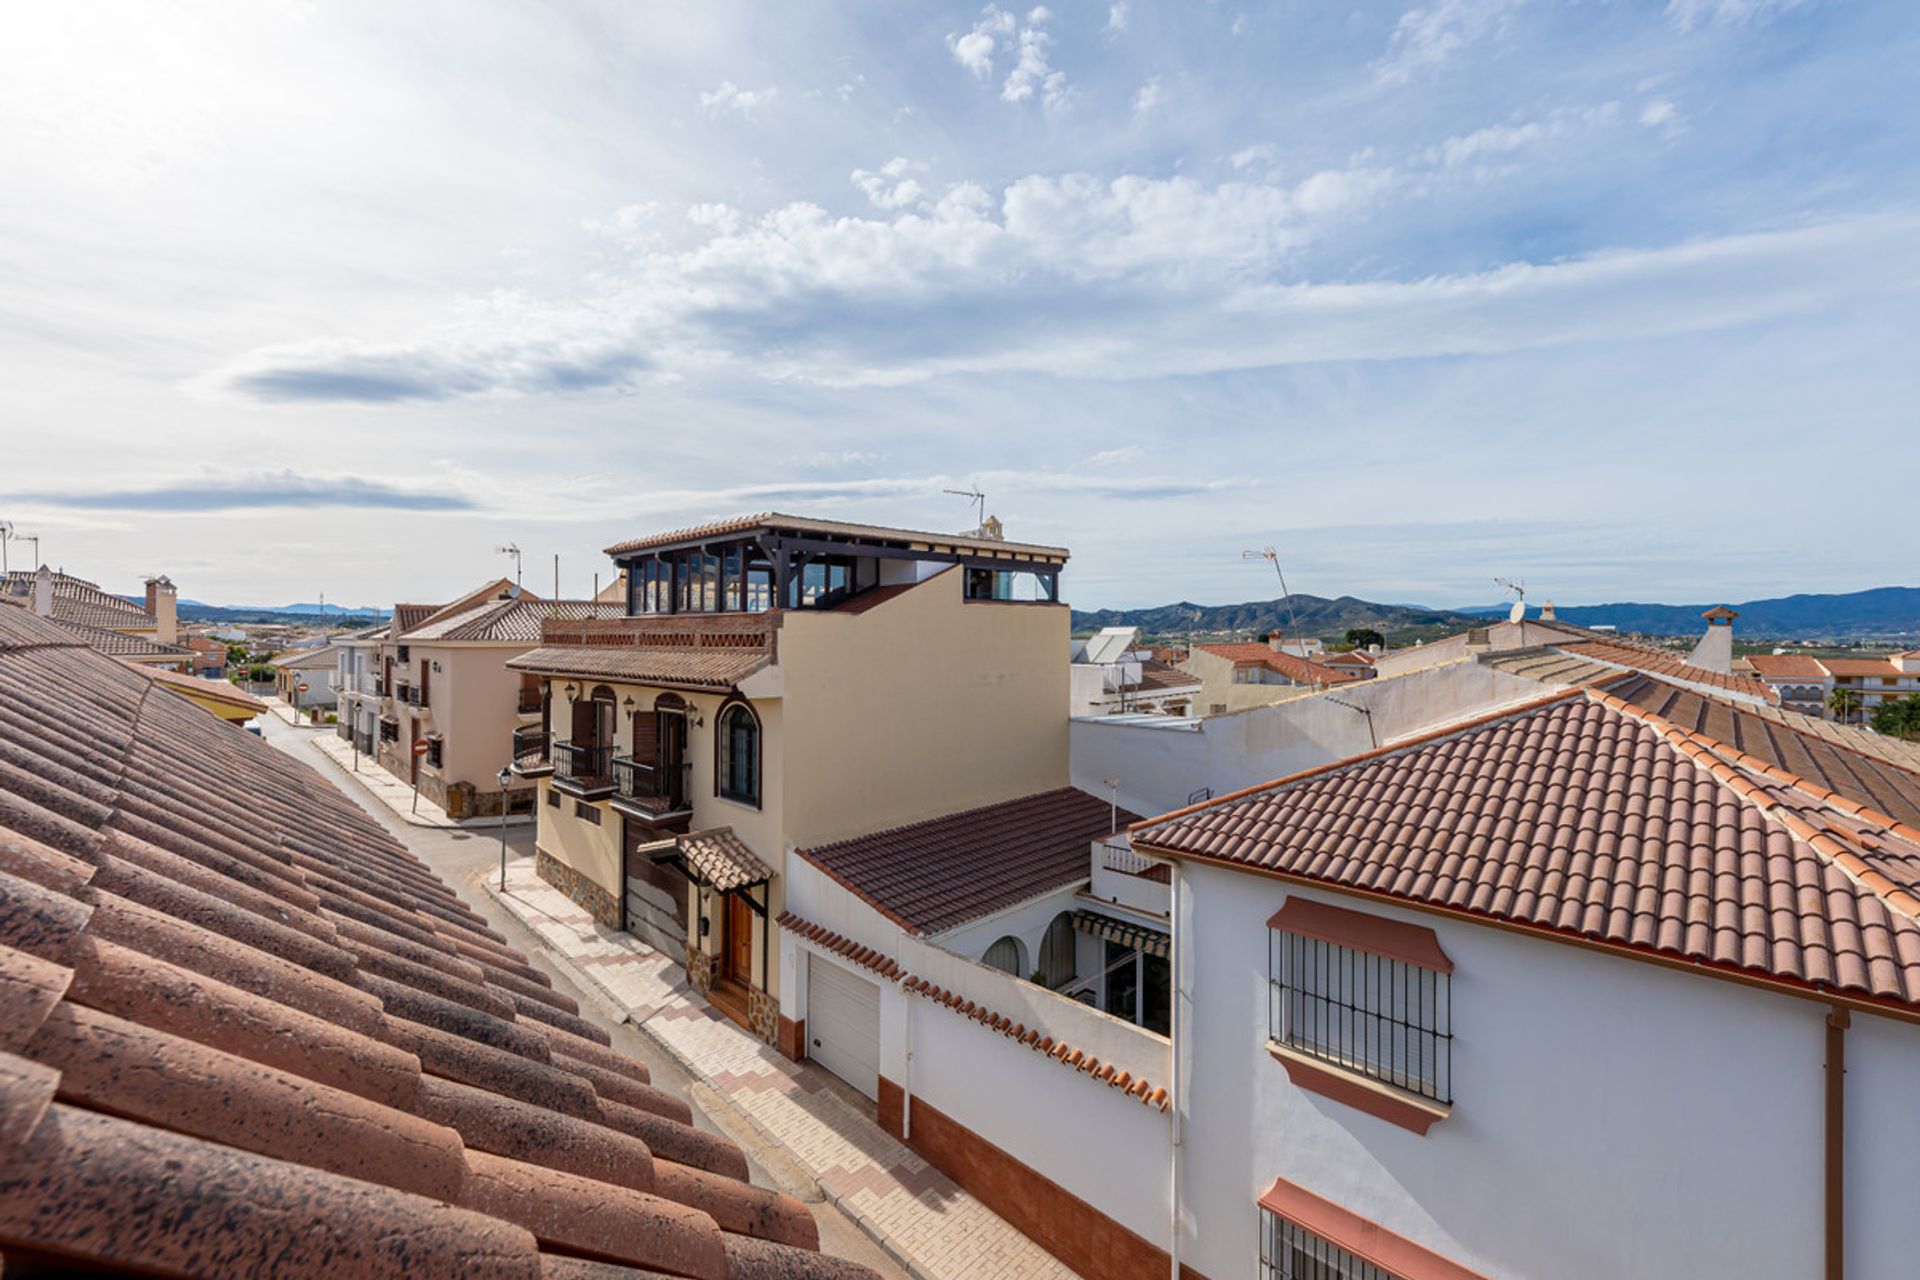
[(924, 705), (1217, 687)]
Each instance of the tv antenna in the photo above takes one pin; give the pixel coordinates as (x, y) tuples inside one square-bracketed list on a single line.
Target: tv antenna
[(1519, 589), (978, 499), (6, 536), (512, 549), (1272, 557)]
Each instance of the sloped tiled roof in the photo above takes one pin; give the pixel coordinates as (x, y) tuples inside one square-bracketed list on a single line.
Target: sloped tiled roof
[(1292, 666), (836, 528), (1584, 816), (1158, 677), (114, 644), (504, 621), (408, 616), (678, 668), (1549, 666), (1882, 667), (1663, 662), (723, 859), (244, 1032), (1787, 666), (224, 691), (79, 601), (941, 873), (320, 655)]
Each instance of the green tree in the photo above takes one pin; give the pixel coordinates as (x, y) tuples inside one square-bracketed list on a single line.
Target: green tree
[(1845, 704), (1899, 718), (1365, 638)]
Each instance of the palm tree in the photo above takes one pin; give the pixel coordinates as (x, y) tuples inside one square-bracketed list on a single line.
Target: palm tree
[(1845, 705)]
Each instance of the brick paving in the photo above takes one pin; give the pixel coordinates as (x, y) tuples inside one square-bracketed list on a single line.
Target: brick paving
[(937, 1230)]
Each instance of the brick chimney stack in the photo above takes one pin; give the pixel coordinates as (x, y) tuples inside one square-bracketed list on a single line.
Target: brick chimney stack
[(162, 603)]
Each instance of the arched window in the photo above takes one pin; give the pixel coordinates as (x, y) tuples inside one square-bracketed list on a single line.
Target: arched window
[(1056, 952), (737, 771), (1006, 955)]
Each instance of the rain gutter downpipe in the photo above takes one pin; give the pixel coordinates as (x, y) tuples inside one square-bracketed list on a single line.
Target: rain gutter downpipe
[(1175, 1099), (1836, 1123)]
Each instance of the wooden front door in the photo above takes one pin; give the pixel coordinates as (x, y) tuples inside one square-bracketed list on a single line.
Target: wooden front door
[(739, 939)]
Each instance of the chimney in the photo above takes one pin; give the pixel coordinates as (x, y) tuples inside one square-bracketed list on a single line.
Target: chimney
[(1547, 614), (1715, 650), (43, 592), (161, 603)]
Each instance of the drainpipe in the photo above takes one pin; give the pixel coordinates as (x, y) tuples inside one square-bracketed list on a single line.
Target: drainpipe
[(1837, 1021), (1174, 1096), (906, 1088)]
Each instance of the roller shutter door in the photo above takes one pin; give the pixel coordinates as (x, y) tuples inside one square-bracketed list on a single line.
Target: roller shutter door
[(843, 1024)]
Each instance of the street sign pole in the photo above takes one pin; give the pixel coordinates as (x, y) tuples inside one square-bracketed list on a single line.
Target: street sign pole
[(419, 749)]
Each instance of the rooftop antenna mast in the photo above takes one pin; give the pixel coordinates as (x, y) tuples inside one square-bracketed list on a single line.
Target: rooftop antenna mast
[(512, 549), (6, 536), (1272, 557), (1519, 589), (978, 499)]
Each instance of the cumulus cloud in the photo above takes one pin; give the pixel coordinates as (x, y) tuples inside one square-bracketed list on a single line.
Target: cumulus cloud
[(890, 186), (1032, 74), (975, 49), (1427, 37), (731, 97), (1117, 17), (1148, 96)]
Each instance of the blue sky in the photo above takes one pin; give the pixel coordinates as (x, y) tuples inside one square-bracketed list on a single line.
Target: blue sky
[(1615, 298)]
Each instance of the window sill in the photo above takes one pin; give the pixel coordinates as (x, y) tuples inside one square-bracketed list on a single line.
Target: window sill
[(736, 800), (1375, 1097)]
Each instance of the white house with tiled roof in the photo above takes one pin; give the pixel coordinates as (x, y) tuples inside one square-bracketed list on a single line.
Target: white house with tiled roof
[(1575, 990)]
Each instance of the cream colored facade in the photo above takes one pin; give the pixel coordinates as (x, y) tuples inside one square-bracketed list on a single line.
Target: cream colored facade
[(1222, 692), (472, 707), (921, 706)]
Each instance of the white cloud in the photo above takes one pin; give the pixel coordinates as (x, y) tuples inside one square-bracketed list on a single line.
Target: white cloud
[(1660, 113), (1032, 71), (1430, 36), (976, 48), (1688, 14), (1503, 139), (1239, 27), (889, 186), (731, 97), (1148, 96), (1117, 16), (1259, 153)]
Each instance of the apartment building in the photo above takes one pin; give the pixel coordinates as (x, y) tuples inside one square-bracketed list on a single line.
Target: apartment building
[(304, 679), (449, 703), (1808, 684), (779, 682)]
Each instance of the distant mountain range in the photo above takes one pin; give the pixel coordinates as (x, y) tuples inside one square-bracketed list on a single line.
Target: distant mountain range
[(200, 611), (1889, 613), (1317, 616), (1883, 613)]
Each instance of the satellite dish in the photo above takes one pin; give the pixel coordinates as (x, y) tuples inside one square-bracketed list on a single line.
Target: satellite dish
[(1518, 612), (1519, 589)]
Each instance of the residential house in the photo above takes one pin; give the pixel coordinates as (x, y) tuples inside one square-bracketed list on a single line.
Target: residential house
[(107, 623), (1236, 676), (1802, 683), (209, 657), (220, 698), (356, 683), (1583, 989), (1111, 675), (248, 1033), (450, 703), (1871, 681), (1494, 637), (783, 682), (303, 678)]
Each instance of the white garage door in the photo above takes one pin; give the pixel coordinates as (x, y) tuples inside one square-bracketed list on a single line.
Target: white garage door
[(843, 1025)]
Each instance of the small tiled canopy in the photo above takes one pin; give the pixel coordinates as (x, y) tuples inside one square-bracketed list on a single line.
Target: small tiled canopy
[(718, 859)]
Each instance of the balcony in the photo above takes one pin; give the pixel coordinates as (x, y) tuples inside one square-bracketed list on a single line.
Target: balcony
[(530, 752), (417, 696), (584, 771), (402, 692), (650, 789)]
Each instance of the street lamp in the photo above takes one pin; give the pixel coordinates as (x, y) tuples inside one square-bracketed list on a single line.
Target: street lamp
[(505, 775)]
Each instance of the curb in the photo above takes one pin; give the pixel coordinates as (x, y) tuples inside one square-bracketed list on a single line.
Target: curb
[(588, 982)]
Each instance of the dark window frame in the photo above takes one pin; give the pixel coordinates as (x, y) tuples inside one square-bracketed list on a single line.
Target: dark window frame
[(724, 774), (1288, 1251), (1362, 1012)]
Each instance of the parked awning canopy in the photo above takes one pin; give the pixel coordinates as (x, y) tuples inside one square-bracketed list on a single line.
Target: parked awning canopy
[(718, 859), (1137, 936)]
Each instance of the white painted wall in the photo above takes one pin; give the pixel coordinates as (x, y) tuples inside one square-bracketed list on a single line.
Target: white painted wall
[(1159, 767), (1610, 1118)]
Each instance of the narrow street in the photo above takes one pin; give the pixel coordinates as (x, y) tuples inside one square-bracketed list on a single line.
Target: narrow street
[(461, 857)]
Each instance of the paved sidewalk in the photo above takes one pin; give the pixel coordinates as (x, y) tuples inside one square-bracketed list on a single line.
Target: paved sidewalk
[(395, 794), (935, 1229), (289, 713)]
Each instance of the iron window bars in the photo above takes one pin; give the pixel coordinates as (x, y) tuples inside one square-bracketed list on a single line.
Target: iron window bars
[(1290, 1252), (1381, 1018)]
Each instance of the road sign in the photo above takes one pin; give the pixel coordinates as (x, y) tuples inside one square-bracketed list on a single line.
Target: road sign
[(420, 747), (301, 687)]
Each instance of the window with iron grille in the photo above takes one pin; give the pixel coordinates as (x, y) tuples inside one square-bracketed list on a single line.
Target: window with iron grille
[(434, 746), (1291, 1252), (1378, 1017), (389, 731), (587, 812)]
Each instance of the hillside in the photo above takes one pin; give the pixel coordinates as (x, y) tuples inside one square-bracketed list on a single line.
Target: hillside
[(1317, 616), (1882, 613)]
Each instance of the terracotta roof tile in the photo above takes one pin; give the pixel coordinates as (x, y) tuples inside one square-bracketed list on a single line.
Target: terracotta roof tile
[(242, 1030), (938, 874), (1588, 815), (678, 668), (509, 620), (1292, 666), (81, 602), (1664, 662), (1787, 666)]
